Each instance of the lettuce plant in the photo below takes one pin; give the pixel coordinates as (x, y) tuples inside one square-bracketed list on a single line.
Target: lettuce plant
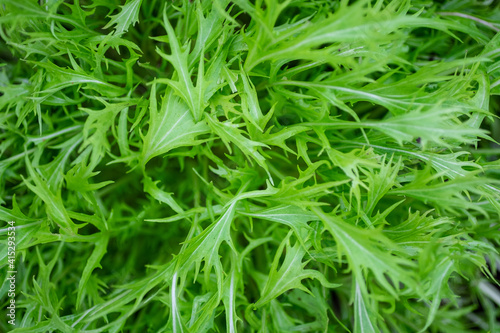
[(251, 166)]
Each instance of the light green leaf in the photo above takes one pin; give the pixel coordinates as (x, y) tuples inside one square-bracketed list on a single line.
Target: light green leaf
[(290, 274), (128, 16), (363, 251), (54, 204), (230, 133), (93, 262), (162, 196), (171, 127)]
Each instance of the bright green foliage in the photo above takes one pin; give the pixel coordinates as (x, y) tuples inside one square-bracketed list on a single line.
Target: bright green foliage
[(251, 166)]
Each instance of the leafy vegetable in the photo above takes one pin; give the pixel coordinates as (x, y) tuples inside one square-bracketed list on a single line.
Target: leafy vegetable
[(251, 166)]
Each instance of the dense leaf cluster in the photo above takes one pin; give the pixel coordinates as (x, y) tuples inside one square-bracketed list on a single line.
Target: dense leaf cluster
[(251, 166)]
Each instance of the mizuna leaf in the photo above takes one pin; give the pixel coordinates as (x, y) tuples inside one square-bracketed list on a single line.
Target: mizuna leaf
[(363, 251), (364, 317), (54, 205), (231, 285), (439, 128), (171, 127), (292, 216), (452, 194), (229, 133), (14, 214), (250, 102), (59, 78), (205, 246), (127, 17), (192, 96), (290, 274), (162, 196), (92, 263)]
